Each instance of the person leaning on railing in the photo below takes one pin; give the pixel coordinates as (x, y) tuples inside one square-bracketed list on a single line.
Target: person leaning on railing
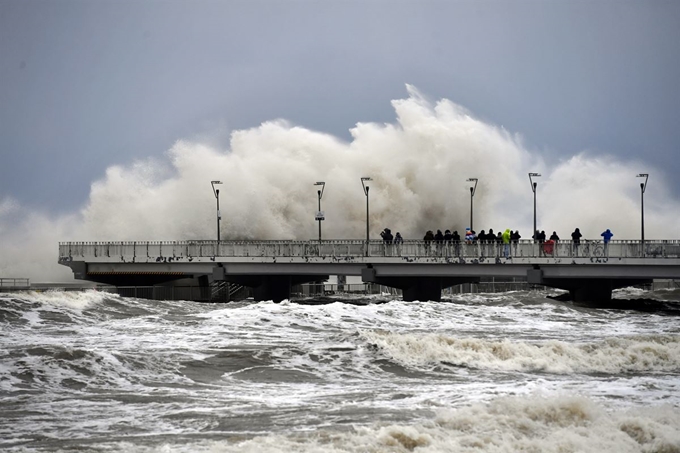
[(607, 236), (576, 240)]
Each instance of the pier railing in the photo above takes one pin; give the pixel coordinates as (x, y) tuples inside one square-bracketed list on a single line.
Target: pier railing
[(14, 283), (188, 250)]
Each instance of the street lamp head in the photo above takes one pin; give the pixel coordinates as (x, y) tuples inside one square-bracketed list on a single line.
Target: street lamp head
[(533, 184), (216, 192), (643, 185), (365, 178), (323, 186), (473, 188)]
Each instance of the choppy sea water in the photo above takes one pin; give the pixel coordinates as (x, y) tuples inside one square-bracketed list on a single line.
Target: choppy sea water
[(509, 372)]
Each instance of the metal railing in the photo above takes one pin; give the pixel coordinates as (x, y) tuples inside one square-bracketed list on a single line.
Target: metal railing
[(15, 283), (188, 250), (194, 293)]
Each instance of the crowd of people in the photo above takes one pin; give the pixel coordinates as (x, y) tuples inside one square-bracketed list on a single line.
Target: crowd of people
[(506, 238)]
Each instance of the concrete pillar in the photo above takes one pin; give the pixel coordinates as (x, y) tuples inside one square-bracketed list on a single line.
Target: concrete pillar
[(423, 289), (597, 291), (275, 288), (205, 289), (416, 288)]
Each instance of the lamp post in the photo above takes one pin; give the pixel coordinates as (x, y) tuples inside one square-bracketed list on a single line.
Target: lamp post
[(363, 180), (643, 186), (319, 214), (472, 194), (533, 188), (217, 196)]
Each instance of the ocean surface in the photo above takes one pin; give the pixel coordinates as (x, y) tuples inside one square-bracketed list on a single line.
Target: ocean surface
[(504, 372)]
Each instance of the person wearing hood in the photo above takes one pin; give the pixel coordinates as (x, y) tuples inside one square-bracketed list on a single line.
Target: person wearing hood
[(398, 240), (506, 242), (386, 234), (607, 236)]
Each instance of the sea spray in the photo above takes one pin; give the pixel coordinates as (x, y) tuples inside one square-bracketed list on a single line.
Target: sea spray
[(418, 165)]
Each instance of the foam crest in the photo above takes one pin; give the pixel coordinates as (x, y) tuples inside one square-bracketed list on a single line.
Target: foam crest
[(615, 355), (554, 424), (76, 300)]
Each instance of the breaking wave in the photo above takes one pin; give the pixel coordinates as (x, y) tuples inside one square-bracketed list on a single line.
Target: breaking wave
[(533, 424), (614, 355)]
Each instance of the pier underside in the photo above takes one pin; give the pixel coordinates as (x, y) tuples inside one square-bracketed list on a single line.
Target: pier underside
[(270, 287), (419, 288), (592, 291), (272, 268)]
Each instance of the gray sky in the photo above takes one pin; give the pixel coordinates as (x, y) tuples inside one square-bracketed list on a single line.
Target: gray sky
[(88, 84)]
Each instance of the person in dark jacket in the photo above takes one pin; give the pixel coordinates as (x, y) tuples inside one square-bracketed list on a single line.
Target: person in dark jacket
[(386, 234), (514, 238), (455, 238), (554, 237), (429, 237), (439, 241), (576, 240)]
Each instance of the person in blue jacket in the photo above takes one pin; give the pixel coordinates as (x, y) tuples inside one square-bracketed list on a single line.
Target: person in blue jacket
[(607, 236)]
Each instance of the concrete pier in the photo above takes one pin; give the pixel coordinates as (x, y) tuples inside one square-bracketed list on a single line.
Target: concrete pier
[(420, 270)]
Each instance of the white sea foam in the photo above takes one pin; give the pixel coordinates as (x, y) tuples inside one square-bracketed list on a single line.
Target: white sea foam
[(531, 424), (289, 377), (613, 355)]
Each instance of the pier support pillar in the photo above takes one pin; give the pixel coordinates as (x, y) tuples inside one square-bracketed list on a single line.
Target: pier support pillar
[(597, 291), (423, 289), (275, 288), (416, 288), (589, 291)]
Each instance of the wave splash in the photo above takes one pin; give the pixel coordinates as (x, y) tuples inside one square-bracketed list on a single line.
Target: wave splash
[(615, 355), (529, 424)]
